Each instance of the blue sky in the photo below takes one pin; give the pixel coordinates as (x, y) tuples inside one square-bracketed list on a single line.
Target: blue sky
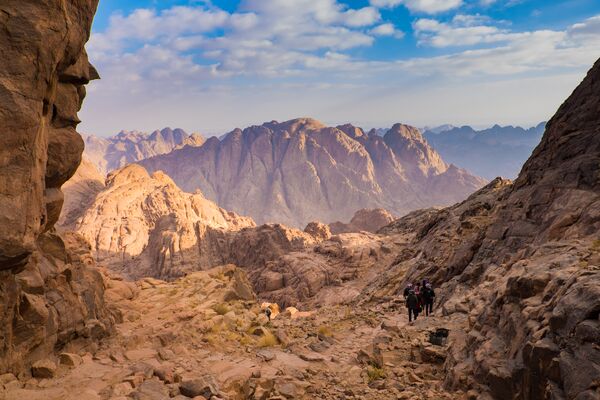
[(211, 66)]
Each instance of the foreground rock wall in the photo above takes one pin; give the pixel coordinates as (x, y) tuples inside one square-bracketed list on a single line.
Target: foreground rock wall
[(519, 264), (50, 294)]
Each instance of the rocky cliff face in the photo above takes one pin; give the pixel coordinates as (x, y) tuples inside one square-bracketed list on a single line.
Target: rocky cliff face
[(299, 171), (80, 192), (146, 226), (519, 265), (49, 293), (128, 147)]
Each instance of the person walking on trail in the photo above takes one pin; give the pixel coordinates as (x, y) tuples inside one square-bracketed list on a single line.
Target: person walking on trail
[(428, 298), (419, 295), (412, 303), (408, 288)]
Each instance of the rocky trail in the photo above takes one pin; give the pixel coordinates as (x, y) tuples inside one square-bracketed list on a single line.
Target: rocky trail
[(205, 336)]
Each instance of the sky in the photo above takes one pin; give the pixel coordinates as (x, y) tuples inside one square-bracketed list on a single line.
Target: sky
[(212, 66)]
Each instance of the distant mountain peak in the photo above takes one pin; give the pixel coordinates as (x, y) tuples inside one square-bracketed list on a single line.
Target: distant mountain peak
[(301, 170), (128, 147)]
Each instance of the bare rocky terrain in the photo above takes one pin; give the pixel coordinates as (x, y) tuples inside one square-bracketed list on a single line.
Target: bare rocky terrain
[(516, 267), (299, 171)]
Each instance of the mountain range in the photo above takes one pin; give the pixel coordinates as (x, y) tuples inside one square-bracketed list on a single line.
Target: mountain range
[(127, 147), (496, 151), (298, 171)]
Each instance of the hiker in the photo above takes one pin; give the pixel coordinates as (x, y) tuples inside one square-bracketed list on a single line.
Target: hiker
[(428, 298), (408, 288), (424, 285), (419, 295), (412, 302)]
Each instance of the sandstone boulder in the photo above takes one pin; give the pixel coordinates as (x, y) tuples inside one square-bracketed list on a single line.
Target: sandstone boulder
[(43, 369)]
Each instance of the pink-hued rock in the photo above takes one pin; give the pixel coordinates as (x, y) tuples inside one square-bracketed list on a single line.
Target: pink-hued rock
[(299, 171)]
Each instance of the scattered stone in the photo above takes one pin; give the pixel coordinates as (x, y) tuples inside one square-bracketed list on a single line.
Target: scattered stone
[(204, 386), (143, 369), (165, 374), (70, 359), (266, 355), (122, 389), (311, 357), (166, 354), (43, 369), (433, 354)]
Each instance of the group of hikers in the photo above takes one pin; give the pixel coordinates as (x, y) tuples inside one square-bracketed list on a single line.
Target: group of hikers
[(419, 298)]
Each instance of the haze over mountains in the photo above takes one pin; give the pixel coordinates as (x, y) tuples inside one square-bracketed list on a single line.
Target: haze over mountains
[(298, 171), (496, 151)]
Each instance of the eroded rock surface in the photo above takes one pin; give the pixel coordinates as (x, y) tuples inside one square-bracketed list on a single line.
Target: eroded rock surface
[(300, 171), (51, 296), (80, 191), (146, 226)]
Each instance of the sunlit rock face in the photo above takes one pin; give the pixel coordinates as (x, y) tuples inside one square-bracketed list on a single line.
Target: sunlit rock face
[(48, 292), (299, 171)]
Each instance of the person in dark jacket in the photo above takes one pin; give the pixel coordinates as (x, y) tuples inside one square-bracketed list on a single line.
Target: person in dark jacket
[(428, 298), (412, 303), (408, 288)]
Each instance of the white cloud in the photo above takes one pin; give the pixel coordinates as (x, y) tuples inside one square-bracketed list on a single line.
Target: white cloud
[(423, 6), (464, 30), (386, 29), (366, 16), (282, 54)]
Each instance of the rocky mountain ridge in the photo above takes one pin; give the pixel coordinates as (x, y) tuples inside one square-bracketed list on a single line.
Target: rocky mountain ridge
[(299, 171), (492, 152), (144, 225), (127, 147)]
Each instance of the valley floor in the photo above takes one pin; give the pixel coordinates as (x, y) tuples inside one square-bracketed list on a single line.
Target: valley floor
[(204, 335)]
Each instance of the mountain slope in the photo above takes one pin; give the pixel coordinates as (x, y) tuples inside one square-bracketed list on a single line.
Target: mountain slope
[(299, 171), (497, 151), (125, 148), (519, 265), (147, 223)]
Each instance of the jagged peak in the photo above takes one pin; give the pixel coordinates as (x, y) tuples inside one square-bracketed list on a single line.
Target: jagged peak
[(406, 131), (295, 125), (351, 130)]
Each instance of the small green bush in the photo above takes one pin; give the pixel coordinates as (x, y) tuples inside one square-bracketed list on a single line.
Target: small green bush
[(268, 340), (221, 309), (374, 373)]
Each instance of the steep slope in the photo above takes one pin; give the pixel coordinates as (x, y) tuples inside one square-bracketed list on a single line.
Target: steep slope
[(146, 226), (80, 192), (128, 147), (497, 151), (299, 171), (519, 265), (51, 296)]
